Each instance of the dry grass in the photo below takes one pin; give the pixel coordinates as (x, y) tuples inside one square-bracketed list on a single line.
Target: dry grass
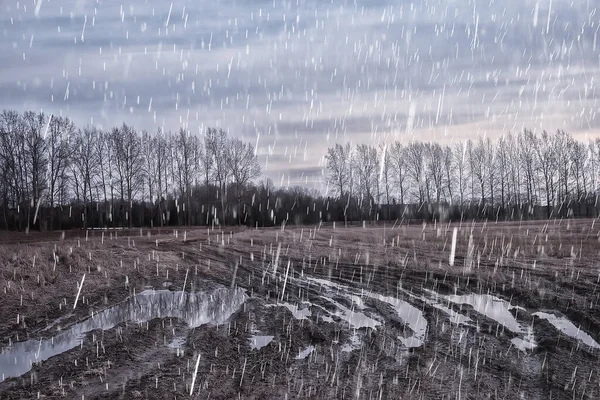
[(536, 264)]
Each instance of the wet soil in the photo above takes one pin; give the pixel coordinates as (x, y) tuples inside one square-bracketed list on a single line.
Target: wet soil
[(373, 312)]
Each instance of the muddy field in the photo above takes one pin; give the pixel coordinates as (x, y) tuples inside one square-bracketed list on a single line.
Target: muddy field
[(377, 312)]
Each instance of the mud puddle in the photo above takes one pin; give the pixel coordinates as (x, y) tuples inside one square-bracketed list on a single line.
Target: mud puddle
[(568, 328), (305, 352), (490, 306), (259, 341), (195, 309), (410, 316), (498, 310), (297, 312), (355, 319), (455, 317)]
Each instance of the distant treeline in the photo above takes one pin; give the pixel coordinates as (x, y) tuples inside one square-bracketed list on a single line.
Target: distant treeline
[(519, 176), (57, 176)]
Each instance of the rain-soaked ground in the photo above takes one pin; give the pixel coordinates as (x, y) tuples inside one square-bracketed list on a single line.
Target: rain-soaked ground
[(307, 313)]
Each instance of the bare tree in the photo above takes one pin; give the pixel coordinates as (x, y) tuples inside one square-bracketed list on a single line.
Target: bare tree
[(526, 146), (512, 169), (595, 151), (60, 130), (580, 165), (119, 153), (399, 168), (339, 166), (416, 167), (490, 166), (563, 144), (129, 164), (14, 168), (162, 151), (385, 175), (85, 164), (151, 172), (367, 171), (503, 168), (206, 164), (187, 158), (35, 156), (545, 151), (594, 157), (337, 159), (215, 145), (243, 166), (449, 172), (103, 152), (462, 170), (477, 163), (435, 168)]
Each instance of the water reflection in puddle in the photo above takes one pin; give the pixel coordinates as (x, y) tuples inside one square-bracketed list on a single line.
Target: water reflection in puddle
[(490, 306), (410, 316), (177, 343), (258, 342), (455, 317), (568, 328), (325, 282), (194, 308), (355, 319), (297, 312), (305, 353), (498, 310), (525, 344), (355, 344)]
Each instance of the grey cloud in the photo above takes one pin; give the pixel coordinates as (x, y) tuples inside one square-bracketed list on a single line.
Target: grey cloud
[(297, 174), (311, 72)]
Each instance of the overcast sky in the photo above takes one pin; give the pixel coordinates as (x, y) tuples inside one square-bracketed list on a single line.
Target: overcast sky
[(296, 76)]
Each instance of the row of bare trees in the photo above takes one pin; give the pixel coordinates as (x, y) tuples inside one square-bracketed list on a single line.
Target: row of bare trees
[(547, 170), (123, 177), (47, 164)]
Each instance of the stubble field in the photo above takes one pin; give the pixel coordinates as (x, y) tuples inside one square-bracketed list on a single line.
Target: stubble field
[(373, 312)]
